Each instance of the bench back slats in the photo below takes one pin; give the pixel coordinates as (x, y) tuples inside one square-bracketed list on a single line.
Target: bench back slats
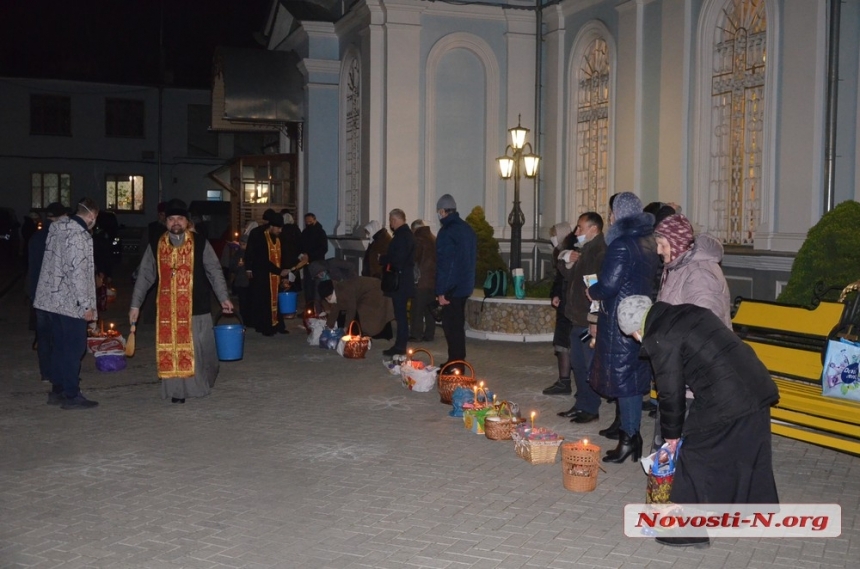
[(794, 319)]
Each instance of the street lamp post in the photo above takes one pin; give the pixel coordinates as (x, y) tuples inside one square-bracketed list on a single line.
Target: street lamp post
[(509, 166)]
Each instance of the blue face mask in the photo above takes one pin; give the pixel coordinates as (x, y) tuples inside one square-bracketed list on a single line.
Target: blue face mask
[(580, 239)]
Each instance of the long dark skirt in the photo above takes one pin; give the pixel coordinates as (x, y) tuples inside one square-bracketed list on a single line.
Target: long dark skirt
[(729, 465)]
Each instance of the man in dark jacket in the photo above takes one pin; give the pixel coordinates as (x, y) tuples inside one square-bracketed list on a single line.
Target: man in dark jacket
[(314, 248), (726, 454), (629, 268), (423, 322), (401, 258), (583, 322), (291, 247), (456, 254)]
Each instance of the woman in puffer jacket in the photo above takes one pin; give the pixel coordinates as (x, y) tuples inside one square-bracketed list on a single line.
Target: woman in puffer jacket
[(691, 269), (630, 267)]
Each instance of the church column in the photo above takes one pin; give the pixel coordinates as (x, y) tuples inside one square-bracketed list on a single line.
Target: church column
[(403, 110), (321, 70), (553, 149)]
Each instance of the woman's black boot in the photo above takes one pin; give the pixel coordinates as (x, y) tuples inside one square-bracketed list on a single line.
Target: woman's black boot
[(612, 431), (627, 446)]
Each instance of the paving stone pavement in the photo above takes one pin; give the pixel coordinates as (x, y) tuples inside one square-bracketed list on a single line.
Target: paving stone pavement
[(300, 459)]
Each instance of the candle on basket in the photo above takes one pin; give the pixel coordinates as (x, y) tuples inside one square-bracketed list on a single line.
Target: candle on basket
[(533, 419), (111, 326), (481, 388), (475, 395), (494, 398), (409, 355)]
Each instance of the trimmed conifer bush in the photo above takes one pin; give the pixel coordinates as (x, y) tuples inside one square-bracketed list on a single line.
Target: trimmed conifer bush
[(831, 253), (489, 255)]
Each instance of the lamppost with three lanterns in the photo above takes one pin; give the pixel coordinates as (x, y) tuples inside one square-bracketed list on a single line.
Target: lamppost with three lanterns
[(521, 156)]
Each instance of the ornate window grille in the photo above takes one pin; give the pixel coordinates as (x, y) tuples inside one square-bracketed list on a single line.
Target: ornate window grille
[(352, 188), (737, 120), (592, 130)]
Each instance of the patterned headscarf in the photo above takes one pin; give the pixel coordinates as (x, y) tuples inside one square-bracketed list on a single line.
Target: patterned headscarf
[(678, 232)]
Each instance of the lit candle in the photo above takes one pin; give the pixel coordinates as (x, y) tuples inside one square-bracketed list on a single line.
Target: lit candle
[(494, 398), (409, 355), (533, 419), (111, 326), (475, 395)]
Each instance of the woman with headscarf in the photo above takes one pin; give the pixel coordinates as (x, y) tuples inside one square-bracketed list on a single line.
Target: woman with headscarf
[(380, 239), (691, 275), (630, 267), (691, 268)]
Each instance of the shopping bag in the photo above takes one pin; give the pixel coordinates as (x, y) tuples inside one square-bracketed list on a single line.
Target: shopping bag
[(839, 378), (110, 355), (329, 338), (661, 476), (353, 345), (417, 375), (315, 327)]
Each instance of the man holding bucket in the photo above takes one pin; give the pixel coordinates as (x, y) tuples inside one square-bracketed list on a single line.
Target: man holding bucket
[(187, 272)]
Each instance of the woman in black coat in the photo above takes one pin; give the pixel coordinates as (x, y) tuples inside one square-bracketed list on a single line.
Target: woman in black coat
[(630, 267), (726, 454)]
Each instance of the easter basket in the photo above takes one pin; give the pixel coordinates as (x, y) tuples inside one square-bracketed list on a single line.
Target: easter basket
[(448, 382), (537, 446), (416, 375), (499, 425), (580, 462)]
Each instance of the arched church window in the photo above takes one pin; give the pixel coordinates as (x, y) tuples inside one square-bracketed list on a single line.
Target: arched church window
[(737, 120), (592, 129), (351, 213)]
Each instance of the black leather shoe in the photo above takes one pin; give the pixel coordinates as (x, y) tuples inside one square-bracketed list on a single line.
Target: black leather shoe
[(612, 431), (582, 417), (697, 542), (560, 387), (569, 414), (393, 352), (177, 400), (627, 446)]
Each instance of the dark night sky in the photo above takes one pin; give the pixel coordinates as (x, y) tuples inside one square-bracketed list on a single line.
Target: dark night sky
[(117, 41)]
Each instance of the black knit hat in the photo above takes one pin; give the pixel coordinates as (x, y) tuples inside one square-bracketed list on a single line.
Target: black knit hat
[(325, 288)]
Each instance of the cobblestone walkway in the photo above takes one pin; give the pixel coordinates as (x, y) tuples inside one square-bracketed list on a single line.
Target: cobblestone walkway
[(300, 459)]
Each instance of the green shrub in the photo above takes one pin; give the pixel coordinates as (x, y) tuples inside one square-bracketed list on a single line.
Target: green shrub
[(538, 289), (489, 257), (831, 253)]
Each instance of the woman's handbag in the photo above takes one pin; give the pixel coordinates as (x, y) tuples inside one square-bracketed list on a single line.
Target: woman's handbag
[(390, 279), (661, 476), (353, 346)]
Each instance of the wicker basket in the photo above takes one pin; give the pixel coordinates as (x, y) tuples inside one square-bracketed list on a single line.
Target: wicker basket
[(579, 465), (448, 382), (499, 427), (538, 452)]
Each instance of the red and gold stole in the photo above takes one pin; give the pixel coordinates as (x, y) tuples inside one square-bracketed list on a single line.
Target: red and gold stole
[(174, 348), (274, 246)]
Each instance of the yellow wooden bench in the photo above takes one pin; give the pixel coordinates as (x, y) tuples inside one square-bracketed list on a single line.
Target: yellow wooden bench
[(790, 341)]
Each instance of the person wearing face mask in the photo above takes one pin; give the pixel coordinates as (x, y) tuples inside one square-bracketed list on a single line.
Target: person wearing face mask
[(562, 239), (401, 258), (66, 292), (583, 330)]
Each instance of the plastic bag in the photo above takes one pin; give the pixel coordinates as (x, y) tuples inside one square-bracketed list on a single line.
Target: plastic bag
[(315, 327), (329, 338), (421, 379)]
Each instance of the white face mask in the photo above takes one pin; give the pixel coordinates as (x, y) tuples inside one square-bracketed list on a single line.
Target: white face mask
[(554, 240), (332, 298), (580, 239)]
